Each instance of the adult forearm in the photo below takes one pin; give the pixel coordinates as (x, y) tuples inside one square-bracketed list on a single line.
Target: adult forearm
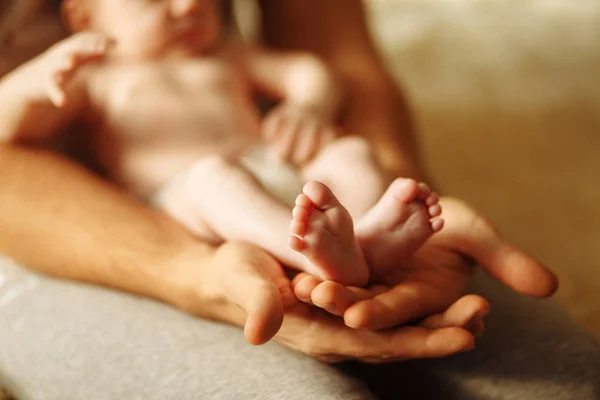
[(58, 218)]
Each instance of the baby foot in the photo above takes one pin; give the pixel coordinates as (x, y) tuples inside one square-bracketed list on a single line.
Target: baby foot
[(322, 230), (398, 225)]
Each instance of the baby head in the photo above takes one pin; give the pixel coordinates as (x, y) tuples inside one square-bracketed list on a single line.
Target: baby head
[(149, 29)]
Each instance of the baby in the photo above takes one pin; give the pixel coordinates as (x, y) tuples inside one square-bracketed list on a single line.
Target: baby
[(167, 94)]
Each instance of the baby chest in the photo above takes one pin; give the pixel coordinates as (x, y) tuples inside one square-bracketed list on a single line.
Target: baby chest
[(177, 100)]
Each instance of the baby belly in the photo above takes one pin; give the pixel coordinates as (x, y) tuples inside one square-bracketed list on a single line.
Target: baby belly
[(144, 173)]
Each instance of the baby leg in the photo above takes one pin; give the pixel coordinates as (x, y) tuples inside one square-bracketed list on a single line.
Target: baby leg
[(173, 199), (236, 207), (349, 167)]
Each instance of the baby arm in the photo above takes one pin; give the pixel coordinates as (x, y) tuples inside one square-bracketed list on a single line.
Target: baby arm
[(310, 102), (43, 95)]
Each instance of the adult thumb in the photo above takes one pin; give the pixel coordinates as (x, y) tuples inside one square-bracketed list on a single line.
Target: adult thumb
[(500, 258), (256, 283)]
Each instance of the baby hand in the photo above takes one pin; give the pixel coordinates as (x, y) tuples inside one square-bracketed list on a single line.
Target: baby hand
[(63, 60), (296, 133)]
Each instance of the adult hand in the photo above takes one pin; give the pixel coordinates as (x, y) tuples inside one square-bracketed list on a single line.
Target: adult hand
[(434, 277), (247, 287)]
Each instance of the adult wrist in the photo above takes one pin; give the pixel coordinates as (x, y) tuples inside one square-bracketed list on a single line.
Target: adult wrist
[(191, 282), (177, 276)]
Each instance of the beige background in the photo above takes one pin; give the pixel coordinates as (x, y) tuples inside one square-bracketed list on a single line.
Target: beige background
[(507, 98)]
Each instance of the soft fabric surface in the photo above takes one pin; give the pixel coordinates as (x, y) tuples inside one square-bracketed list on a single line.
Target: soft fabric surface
[(69, 341), (60, 340)]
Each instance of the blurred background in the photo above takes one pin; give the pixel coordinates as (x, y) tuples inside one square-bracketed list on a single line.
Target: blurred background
[(506, 96)]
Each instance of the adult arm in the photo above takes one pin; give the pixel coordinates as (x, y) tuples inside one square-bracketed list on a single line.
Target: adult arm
[(58, 218)]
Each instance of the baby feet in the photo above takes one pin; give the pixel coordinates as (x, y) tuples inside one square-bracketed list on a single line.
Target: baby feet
[(398, 225), (323, 231)]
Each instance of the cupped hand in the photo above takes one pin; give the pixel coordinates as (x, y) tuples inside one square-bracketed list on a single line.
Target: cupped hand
[(245, 286), (434, 277)]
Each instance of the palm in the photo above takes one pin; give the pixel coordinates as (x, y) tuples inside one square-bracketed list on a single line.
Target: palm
[(439, 268), (319, 334), (435, 276), (251, 289), (428, 282)]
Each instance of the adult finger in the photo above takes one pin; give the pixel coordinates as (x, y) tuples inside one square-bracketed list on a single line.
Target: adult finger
[(336, 298), (464, 313), (324, 336), (303, 285), (476, 238), (403, 303)]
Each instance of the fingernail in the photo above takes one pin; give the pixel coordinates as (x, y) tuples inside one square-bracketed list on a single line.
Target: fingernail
[(474, 327)]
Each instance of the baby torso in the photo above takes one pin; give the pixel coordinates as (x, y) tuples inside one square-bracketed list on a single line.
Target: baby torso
[(152, 120)]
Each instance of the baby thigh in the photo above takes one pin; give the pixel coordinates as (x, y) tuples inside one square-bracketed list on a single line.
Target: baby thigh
[(349, 167), (222, 201), (173, 198)]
